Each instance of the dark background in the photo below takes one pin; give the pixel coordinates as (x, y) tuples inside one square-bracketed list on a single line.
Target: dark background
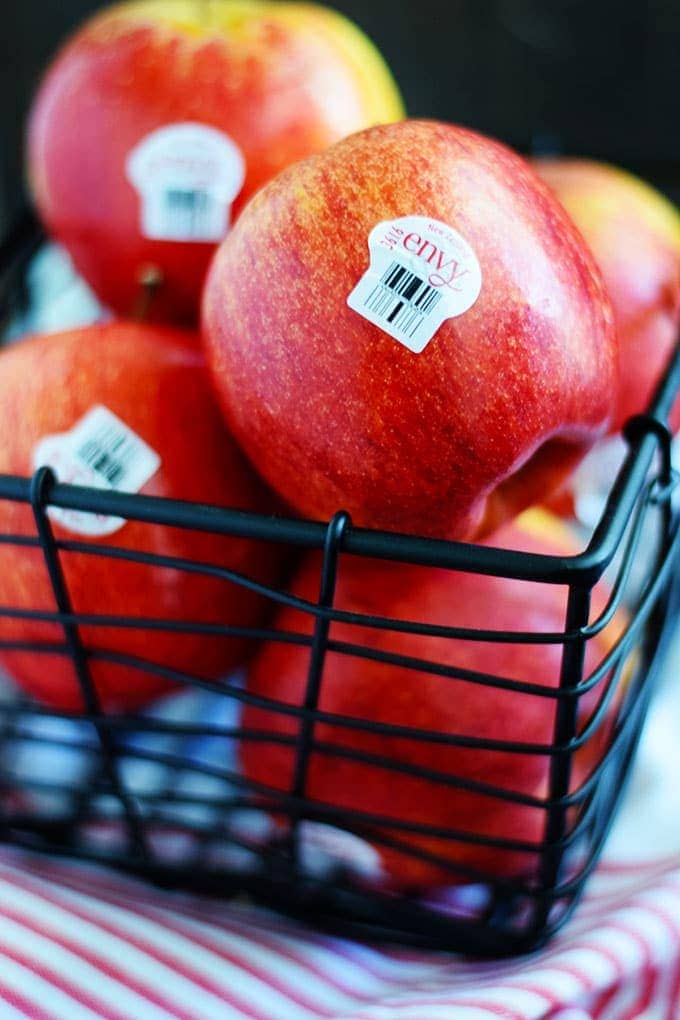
[(597, 77)]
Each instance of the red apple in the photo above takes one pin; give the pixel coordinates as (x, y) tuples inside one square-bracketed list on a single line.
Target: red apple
[(153, 380), (371, 690), (160, 118), (634, 233), (489, 371)]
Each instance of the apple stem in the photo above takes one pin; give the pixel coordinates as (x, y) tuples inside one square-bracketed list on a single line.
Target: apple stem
[(150, 282)]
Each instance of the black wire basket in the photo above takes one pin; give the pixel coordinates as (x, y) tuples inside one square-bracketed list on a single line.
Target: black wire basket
[(132, 790)]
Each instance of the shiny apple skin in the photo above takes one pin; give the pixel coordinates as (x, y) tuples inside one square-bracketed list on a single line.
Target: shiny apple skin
[(335, 413), (154, 379), (282, 80), (634, 234)]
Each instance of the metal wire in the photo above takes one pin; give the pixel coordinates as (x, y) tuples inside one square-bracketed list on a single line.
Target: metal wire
[(244, 836)]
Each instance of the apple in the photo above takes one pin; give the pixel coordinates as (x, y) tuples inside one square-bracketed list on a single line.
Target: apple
[(123, 406), (160, 118), (371, 690), (634, 233), (407, 326)]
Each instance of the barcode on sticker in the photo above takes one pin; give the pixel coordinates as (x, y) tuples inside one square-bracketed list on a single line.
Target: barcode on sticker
[(402, 299), (113, 451), (101, 452), (189, 214)]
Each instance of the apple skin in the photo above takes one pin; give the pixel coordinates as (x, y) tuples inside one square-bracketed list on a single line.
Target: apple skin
[(155, 380), (634, 234), (335, 413), (283, 80), (364, 689)]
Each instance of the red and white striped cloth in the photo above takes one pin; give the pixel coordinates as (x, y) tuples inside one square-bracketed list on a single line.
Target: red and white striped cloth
[(78, 943)]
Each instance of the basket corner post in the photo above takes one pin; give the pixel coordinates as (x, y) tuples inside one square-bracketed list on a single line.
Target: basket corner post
[(336, 531), (42, 483), (561, 761)]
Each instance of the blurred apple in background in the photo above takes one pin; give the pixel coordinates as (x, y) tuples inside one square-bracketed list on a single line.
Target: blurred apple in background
[(160, 118), (371, 690), (634, 234), (128, 407), (408, 326)]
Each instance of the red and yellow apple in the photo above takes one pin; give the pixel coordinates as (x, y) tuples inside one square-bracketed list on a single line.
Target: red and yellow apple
[(507, 382), (154, 381), (160, 118), (634, 234), (365, 689)]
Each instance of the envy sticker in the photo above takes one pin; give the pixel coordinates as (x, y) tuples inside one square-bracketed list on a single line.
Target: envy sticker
[(421, 272), (99, 452), (187, 177)]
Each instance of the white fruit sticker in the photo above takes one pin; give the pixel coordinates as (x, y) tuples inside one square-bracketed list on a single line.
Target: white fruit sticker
[(99, 452), (421, 273), (187, 176)]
